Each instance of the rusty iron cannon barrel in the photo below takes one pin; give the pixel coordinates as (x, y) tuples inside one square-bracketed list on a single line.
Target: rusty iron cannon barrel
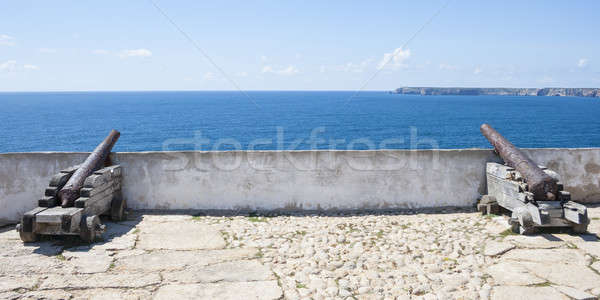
[(540, 184), (70, 192)]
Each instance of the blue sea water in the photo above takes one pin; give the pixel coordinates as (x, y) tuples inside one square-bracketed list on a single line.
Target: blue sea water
[(78, 121)]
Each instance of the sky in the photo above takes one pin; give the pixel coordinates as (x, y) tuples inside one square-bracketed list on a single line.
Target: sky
[(296, 45)]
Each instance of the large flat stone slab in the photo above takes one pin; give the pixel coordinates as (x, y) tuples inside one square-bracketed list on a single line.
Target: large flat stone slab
[(224, 291), (179, 236), (576, 276), (12, 248), (9, 283), (33, 264), (566, 256), (576, 238), (101, 280), (46, 295), (545, 241), (526, 293), (234, 271), (574, 293), (95, 263), (176, 260), (513, 273), (106, 294), (590, 247), (497, 248), (117, 243)]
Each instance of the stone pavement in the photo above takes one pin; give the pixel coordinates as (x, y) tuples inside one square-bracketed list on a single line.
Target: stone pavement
[(439, 255)]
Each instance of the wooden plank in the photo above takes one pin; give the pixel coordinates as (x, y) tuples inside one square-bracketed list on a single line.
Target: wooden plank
[(71, 219), (98, 206), (575, 212), (114, 171), (47, 201), (54, 215), (29, 218), (97, 180), (114, 184), (69, 222), (59, 180), (51, 215), (51, 191), (82, 202)]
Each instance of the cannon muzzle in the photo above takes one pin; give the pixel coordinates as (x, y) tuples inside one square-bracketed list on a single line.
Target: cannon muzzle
[(94, 162)]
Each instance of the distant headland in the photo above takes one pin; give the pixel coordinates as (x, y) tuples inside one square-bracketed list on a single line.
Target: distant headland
[(463, 91)]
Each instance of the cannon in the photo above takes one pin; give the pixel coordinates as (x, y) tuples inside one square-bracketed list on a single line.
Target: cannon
[(533, 194), (76, 197)]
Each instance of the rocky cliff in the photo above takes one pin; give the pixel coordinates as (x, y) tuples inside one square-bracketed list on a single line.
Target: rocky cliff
[(573, 92)]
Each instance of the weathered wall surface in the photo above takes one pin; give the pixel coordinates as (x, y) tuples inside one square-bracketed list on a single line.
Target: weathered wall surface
[(269, 180)]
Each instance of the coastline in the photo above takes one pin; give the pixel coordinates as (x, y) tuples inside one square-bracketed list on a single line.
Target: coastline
[(466, 91)]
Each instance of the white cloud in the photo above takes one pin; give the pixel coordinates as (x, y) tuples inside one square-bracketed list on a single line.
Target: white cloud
[(356, 68), (477, 70), (47, 50), (241, 74), (448, 67), (582, 63), (394, 59), (100, 52), (350, 67), (30, 67), (135, 53), (8, 66), (264, 58), (209, 76), (6, 40), (12, 66), (289, 70)]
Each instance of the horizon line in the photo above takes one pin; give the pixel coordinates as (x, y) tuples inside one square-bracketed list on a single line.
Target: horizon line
[(290, 90), (167, 90), (283, 90)]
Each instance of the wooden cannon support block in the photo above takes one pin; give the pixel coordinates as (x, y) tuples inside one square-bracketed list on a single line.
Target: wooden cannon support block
[(532, 193), (56, 183), (506, 188), (101, 194)]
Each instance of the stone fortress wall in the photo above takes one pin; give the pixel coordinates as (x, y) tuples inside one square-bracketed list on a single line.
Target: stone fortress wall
[(294, 180)]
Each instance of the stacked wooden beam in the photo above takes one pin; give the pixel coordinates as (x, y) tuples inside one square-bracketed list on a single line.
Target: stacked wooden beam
[(84, 192), (57, 182), (101, 194), (99, 189)]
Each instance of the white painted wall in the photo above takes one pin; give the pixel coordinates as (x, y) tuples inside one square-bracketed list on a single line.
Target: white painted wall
[(270, 180)]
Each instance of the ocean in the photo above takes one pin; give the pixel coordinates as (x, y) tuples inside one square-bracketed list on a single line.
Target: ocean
[(289, 120)]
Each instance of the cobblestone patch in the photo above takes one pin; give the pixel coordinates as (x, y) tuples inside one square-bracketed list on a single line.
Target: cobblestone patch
[(444, 254)]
